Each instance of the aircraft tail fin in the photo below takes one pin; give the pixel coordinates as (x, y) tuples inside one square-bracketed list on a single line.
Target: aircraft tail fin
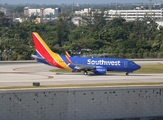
[(41, 47), (43, 51)]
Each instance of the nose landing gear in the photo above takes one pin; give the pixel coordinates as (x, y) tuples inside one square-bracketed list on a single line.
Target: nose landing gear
[(127, 73)]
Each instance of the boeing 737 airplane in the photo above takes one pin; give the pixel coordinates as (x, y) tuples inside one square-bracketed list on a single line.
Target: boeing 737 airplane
[(77, 63)]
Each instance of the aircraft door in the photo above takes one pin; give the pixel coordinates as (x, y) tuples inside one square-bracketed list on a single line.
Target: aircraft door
[(125, 64)]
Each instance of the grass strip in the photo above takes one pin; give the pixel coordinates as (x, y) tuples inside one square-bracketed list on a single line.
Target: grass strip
[(149, 69), (84, 85)]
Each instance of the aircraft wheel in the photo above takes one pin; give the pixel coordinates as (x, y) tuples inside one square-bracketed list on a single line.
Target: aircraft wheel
[(85, 73), (127, 73)]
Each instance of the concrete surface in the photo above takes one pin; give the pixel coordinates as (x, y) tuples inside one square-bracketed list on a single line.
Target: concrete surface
[(24, 74), (112, 103)]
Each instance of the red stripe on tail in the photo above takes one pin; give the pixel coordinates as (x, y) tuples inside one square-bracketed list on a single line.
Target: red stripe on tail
[(44, 50)]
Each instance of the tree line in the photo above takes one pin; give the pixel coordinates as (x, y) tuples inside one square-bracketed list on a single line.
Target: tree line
[(113, 38)]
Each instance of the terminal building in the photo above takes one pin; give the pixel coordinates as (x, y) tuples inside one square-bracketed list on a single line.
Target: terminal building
[(139, 13), (128, 15), (131, 15)]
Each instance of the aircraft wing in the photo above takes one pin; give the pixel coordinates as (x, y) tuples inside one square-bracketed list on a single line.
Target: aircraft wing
[(84, 67), (81, 66)]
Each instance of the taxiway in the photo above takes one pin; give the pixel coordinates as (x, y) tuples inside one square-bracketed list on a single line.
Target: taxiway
[(24, 74)]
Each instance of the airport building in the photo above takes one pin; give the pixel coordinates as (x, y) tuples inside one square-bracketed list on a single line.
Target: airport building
[(128, 15), (57, 11), (131, 15), (4, 10), (42, 12)]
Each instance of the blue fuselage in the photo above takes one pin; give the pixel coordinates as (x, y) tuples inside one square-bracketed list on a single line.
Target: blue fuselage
[(111, 64)]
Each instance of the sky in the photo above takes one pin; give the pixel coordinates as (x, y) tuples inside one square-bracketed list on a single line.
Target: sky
[(74, 1)]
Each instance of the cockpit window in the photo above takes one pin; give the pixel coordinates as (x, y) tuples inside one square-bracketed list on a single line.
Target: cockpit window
[(132, 63)]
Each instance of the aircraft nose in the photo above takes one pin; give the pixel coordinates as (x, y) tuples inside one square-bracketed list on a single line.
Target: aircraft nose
[(138, 67)]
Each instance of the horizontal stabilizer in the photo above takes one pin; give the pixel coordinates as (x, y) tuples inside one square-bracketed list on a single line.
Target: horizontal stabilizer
[(36, 57)]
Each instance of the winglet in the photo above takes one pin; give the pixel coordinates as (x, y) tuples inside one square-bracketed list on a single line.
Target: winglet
[(68, 59), (67, 54)]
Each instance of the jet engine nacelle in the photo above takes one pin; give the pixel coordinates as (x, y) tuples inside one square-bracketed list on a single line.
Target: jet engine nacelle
[(100, 71)]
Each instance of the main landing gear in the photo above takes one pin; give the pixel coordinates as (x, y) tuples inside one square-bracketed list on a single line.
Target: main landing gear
[(85, 72), (127, 73)]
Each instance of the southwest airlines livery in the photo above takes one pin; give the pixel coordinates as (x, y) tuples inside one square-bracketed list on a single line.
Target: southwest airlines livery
[(77, 63)]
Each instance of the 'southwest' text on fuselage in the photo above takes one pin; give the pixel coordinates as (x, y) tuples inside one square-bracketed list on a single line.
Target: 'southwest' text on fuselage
[(103, 62)]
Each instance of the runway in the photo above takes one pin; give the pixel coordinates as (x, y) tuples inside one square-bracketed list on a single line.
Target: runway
[(24, 74)]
